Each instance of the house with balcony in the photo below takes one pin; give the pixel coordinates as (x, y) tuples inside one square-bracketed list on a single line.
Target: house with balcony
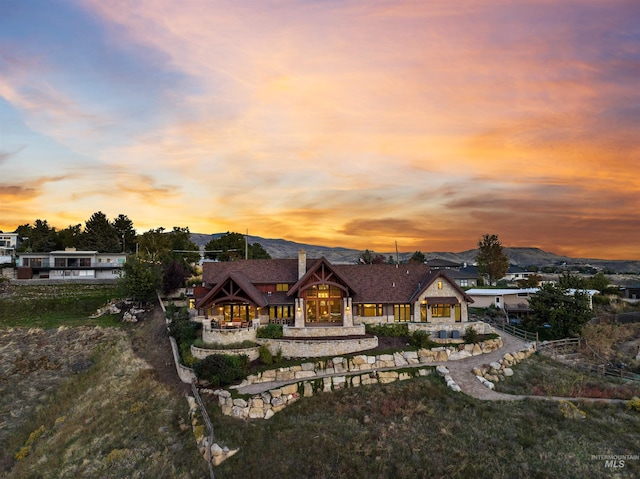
[(8, 244), (70, 264), (315, 298)]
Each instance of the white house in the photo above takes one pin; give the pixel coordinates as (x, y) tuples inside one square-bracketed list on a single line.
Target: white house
[(8, 244), (70, 264)]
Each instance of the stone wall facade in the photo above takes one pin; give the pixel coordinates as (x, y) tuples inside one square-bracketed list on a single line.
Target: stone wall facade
[(226, 336), (318, 348), (322, 332)]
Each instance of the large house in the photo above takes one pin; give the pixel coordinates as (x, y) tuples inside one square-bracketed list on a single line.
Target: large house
[(70, 264), (317, 298)]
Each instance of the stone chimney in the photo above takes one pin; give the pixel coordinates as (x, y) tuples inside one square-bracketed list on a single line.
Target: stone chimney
[(302, 263)]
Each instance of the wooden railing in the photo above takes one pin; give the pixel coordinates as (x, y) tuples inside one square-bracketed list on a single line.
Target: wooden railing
[(519, 333), (561, 347)]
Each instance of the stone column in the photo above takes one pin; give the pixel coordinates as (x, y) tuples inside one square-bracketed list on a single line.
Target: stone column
[(347, 315), (206, 324), (299, 318)]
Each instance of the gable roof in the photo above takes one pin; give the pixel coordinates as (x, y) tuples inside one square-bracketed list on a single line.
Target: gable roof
[(242, 282), (314, 269), (445, 275)]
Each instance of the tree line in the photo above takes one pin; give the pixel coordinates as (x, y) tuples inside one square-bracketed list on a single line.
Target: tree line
[(158, 258)]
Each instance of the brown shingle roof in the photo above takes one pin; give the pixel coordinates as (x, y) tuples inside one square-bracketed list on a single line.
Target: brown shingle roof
[(371, 283), (259, 271), (384, 283)]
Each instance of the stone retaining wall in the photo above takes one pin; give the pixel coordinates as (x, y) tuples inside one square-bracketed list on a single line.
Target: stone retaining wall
[(227, 336), (201, 353), (266, 404), (318, 348), (478, 326), (500, 370), (323, 331), (363, 362)]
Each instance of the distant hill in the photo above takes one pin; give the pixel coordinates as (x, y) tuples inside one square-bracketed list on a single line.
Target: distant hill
[(281, 248)]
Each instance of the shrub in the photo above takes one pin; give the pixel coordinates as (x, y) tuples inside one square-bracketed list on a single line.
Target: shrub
[(388, 330), (265, 355), (270, 331), (421, 340), (278, 356), (173, 312), (222, 370), (634, 404), (470, 335), (184, 331)]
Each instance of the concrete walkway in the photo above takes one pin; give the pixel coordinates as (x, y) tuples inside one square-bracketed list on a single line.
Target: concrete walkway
[(462, 373)]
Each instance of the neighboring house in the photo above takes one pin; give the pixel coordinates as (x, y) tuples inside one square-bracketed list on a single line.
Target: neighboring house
[(631, 291), (463, 278), (439, 263), (317, 298), (8, 244), (515, 274), (514, 301), (70, 264)]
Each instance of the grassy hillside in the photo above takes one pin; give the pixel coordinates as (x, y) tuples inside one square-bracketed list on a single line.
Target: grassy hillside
[(114, 420), (420, 429)]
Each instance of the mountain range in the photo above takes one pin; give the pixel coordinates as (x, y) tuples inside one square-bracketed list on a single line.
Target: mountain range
[(281, 248)]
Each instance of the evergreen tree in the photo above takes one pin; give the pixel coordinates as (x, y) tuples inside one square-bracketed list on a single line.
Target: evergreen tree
[(100, 235), (568, 280), (491, 258), (417, 257), (71, 236), (40, 237), (564, 313), (127, 234)]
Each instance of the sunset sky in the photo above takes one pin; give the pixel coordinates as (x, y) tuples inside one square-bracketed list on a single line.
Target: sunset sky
[(340, 123)]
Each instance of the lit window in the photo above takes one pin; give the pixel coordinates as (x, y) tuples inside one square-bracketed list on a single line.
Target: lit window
[(440, 310), (439, 284)]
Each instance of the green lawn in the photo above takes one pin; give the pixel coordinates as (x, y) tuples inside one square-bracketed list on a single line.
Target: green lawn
[(50, 306)]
